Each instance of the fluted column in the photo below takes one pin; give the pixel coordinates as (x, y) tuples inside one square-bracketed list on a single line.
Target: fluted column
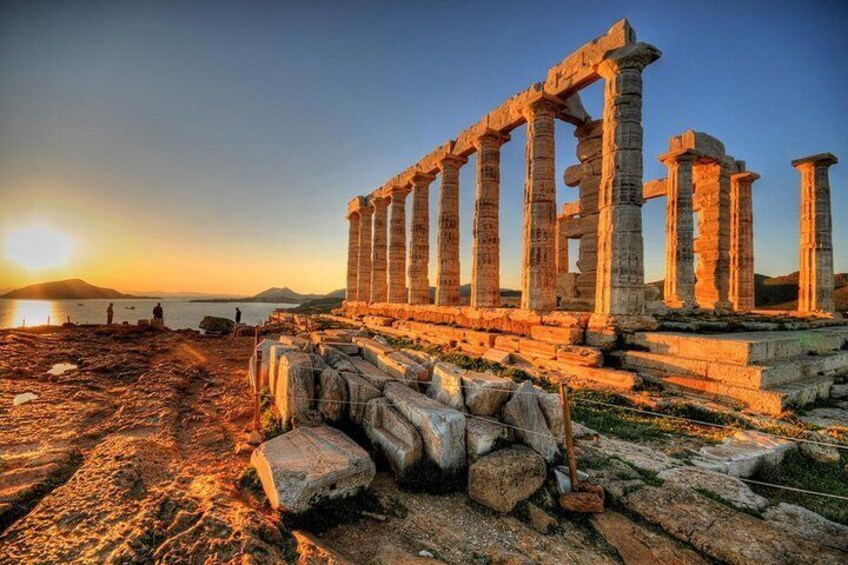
[(363, 272), (538, 272), (485, 268), (419, 242), (815, 280), (742, 241), (352, 257), (620, 277), (447, 277), (397, 246), (679, 289), (378, 252)]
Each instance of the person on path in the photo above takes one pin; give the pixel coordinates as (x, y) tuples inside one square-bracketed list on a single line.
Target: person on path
[(110, 313), (158, 313), (238, 315)]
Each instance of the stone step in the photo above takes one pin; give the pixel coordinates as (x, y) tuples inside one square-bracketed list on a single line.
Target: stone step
[(772, 400), (744, 348)]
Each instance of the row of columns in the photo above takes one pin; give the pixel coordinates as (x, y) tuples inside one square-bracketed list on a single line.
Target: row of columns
[(620, 282)]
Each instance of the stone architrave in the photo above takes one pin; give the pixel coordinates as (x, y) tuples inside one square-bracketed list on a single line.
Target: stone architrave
[(447, 277), (815, 280), (378, 251), (397, 246), (485, 270), (419, 242), (538, 273), (679, 231), (741, 293), (351, 292), (620, 276), (363, 272)]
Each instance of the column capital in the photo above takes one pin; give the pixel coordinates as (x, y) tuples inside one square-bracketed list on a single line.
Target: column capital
[(744, 176), (354, 205), (381, 201), (366, 210), (420, 178), (452, 159), (820, 160), (541, 102), (633, 56), (490, 135), (679, 155), (399, 190)]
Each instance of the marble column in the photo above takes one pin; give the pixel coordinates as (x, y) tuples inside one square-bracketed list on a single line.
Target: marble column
[(815, 280), (538, 271), (378, 252), (741, 293), (679, 291), (397, 246), (419, 242), (712, 202), (352, 257), (447, 277), (485, 268), (363, 271), (561, 249), (620, 280)]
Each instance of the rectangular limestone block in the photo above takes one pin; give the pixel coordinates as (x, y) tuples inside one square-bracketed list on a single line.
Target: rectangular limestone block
[(565, 336), (371, 349), (497, 356), (371, 373), (402, 368), (580, 355)]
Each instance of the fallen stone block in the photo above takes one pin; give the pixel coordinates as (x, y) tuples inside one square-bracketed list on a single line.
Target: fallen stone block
[(273, 357), (808, 524), (504, 478), (640, 457), (312, 551), (446, 386), (332, 398), (305, 466), (403, 368), (374, 375), (442, 429), (337, 359), (564, 336), (497, 356), (719, 485), (294, 341), (359, 392), (483, 436), (424, 359), (485, 393), (743, 452), (551, 407), (637, 544), (523, 413), (580, 355), (393, 435), (295, 389), (372, 349), (346, 348)]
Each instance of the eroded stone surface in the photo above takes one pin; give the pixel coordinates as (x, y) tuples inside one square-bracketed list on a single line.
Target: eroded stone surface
[(728, 488), (393, 435), (485, 393), (504, 478), (446, 385), (482, 436), (295, 390), (743, 452), (523, 412), (808, 524)]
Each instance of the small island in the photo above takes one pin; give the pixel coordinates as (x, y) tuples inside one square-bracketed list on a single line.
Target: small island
[(76, 289)]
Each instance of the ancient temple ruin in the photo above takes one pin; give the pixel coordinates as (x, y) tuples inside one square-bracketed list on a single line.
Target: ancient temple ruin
[(572, 322)]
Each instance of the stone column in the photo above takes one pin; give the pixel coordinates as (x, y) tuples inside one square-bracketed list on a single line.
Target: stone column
[(397, 246), (351, 292), (447, 277), (485, 269), (363, 272), (538, 272), (815, 280), (620, 292), (712, 202), (378, 253), (679, 289), (419, 242), (741, 292), (561, 249)]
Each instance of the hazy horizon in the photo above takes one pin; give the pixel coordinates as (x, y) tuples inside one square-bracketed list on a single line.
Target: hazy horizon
[(214, 147)]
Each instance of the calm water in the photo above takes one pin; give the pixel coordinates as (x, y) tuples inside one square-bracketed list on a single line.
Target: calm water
[(179, 313)]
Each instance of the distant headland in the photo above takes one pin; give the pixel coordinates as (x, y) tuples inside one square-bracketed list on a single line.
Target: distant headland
[(76, 289)]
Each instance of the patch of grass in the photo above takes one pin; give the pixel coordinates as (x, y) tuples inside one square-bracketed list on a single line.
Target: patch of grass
[(271, 424), (798, 471), (482, 365), (249, 482)]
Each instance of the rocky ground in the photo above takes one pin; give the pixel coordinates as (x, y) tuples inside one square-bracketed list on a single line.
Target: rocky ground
[(137, 455)]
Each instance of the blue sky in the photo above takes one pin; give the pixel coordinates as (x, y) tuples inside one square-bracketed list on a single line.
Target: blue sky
[(214, 145)]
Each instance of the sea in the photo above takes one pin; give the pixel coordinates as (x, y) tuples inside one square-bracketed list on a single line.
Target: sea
[(179, 313)]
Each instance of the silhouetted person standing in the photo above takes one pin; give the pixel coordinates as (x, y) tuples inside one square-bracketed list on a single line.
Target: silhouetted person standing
[(238, 315), (158, 313), (110, 313)]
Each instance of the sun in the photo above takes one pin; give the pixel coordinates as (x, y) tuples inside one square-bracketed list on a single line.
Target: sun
[(37, 247)]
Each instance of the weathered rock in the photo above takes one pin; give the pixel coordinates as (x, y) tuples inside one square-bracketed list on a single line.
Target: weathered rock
[(481, 437), (359, 392), (372, 349), (541, 521), (377, 377), (442, 429), (639, 456), (392, 555), (588, 499), (743, 452), (424, 359), (403, 368), (551, 407), (332, 399), (308, 465), (808, 524), (723, 533), (216, 325), (272, 360), (294, 341), (839, 391), (318, 362), (523, 412), (504, 478), (446, 385), (818, 451), (485, 393), (336, 359), (827, 418), (393, 435), (497, 356), (637, 545), (295, 386), (729, 489), (312, 551)]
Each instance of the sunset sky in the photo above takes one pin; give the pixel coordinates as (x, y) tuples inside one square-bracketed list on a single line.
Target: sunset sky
[(213, 146)]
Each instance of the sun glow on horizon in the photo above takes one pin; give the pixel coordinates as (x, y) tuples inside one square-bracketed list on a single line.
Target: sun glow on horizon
[(37, 247)]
